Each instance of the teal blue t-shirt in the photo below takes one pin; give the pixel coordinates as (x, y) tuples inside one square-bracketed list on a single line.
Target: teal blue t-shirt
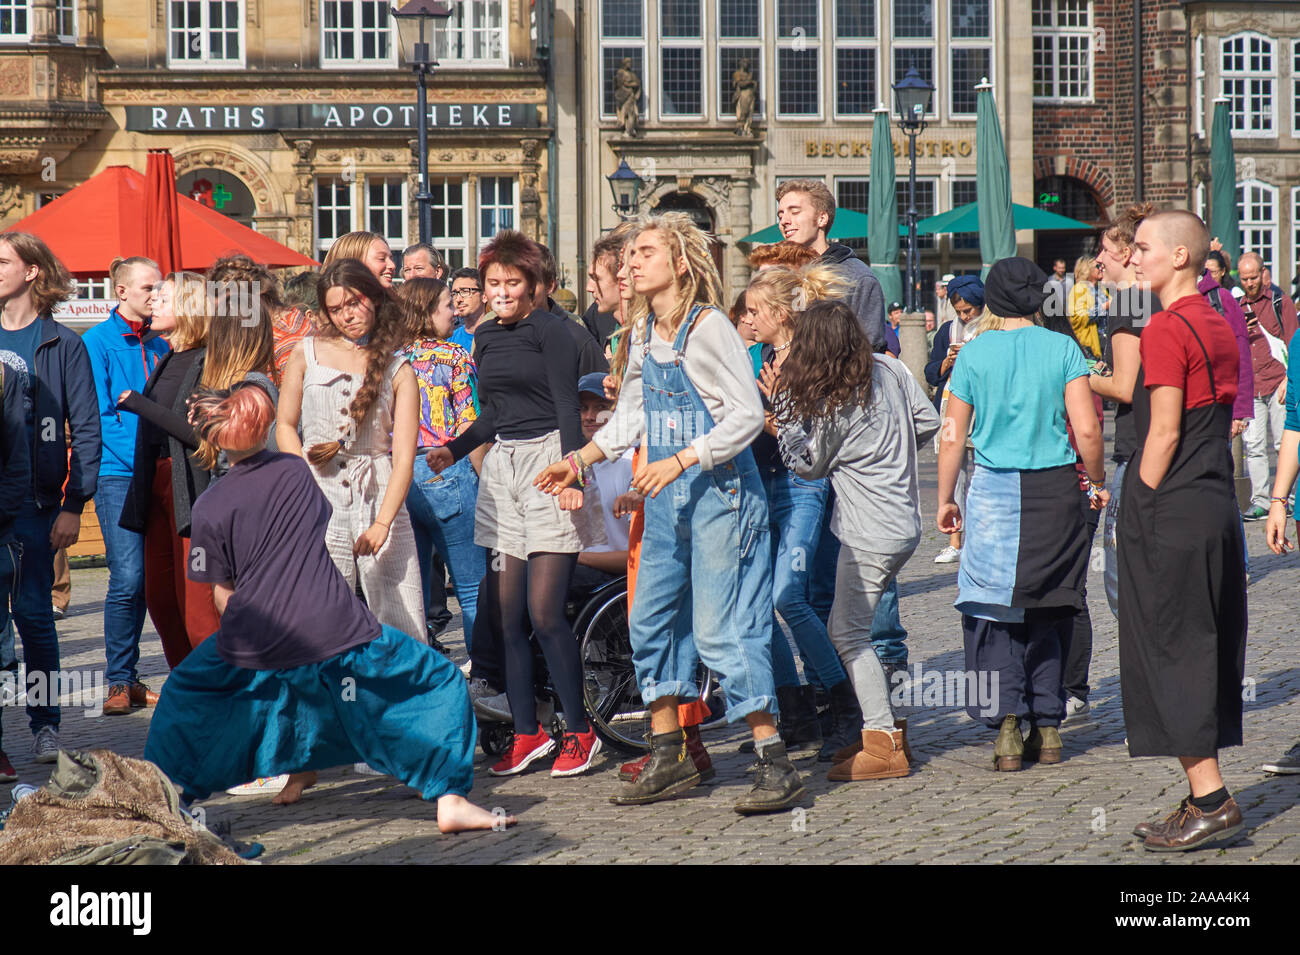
[(1015, 380)]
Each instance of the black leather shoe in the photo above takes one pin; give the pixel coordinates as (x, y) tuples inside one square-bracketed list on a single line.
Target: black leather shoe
[(1193, 829), (669, 772)]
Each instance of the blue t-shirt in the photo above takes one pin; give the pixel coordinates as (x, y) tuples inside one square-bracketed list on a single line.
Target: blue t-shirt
[(1015, 380), (18, 352), (463, 338)]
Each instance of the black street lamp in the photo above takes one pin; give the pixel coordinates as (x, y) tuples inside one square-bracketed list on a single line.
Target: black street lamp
[(912, 100), (415, 28), (625, 185)]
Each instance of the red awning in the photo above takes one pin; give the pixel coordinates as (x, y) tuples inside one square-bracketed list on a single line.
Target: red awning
[(104, 218)]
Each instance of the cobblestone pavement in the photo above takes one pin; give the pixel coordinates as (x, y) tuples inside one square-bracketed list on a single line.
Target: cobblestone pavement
[(952, 808)]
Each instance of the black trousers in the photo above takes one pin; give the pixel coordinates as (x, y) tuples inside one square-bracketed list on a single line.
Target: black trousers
[(1018, 665), (1077, 650)]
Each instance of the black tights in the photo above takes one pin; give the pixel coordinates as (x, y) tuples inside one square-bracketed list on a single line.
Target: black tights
[(536, 590)]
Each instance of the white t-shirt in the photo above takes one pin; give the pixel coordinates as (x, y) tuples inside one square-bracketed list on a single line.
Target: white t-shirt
[(612, 479)]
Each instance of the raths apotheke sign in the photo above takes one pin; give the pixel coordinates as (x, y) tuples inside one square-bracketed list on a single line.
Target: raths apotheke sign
[(253, 119)]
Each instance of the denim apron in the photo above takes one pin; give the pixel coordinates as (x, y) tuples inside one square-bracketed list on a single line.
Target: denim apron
[(706, 559)]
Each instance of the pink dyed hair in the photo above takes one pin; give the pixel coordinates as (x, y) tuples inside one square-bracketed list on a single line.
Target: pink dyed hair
[(230, 420)]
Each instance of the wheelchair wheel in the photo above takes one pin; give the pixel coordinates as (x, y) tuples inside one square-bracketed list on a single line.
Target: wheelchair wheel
[(495, 738), (610, 690)]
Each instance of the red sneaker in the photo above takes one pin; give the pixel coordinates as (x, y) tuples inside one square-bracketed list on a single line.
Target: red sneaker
[(576, 753), (523, 751), (7, 772)]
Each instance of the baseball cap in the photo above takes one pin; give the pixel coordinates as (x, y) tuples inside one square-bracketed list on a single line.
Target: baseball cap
[(592, 384), (947, 278), (894, 306)]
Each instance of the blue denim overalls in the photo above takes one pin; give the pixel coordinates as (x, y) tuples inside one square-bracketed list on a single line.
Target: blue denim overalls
[(706, 557)]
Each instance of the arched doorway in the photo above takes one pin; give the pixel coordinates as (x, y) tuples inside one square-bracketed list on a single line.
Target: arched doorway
[(220, 190), (700, 213), (1067, 196)]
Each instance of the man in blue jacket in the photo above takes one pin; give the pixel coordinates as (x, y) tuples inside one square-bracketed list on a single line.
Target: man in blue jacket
[(49, 365), (121, 357)]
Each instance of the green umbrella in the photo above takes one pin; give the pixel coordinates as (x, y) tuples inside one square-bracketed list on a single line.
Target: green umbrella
[(1223, 183), (967, 219), (992, 183), (882, 240)]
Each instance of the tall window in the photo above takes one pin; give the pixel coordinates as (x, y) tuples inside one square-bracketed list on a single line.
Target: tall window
[(15, 20), (622, 37), (496, 206), (356, 33), (798, 58), (970, 53), (450, 236), (681, 57), (926, 205), (1257, 218), (1295, 234), (65, 20), (962, 192), (855, 57), (740, 31), (1198, 86), (474, 34), (334, 212), (1295, 91), (914, 41), (205, 33), (1248, 66), (386, 209), (1062, 37)]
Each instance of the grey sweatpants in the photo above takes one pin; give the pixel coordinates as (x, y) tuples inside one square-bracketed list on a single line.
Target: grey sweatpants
[(861, 576)]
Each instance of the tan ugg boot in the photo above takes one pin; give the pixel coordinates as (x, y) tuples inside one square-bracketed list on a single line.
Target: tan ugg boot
[(848, 752), (881, 757)]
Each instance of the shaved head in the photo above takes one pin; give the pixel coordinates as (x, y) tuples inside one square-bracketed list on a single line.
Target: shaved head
[(1179, 228), (1251, 258)]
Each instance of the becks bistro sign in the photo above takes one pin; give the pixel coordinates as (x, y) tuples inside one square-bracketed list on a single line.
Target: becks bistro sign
[(251, 119)]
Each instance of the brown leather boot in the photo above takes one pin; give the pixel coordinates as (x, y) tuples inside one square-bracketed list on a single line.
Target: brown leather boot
[(848, 752), (881, 757), (118, 701), (699, 755), (141, 695)]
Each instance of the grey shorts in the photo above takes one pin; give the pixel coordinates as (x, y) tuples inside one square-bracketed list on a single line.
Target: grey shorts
[(513, 517)]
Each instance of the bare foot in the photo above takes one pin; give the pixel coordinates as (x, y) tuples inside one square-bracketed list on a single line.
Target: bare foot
[(293, 789), (458, 814)]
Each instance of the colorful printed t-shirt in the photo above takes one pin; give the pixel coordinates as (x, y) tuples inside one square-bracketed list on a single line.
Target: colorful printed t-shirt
[(447, 378)]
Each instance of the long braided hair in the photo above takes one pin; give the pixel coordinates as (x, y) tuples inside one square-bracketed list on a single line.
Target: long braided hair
[(385, 339), (700, 284)]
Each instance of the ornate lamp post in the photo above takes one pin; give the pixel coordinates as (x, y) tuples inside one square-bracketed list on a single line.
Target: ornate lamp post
[(415, 22), (912, 100), (625, 186)]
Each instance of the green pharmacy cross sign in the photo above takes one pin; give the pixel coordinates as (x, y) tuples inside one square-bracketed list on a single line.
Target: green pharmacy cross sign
[(221, 195)]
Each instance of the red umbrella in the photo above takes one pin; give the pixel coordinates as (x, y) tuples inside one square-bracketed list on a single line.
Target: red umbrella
[(162, 232), (104, 217)]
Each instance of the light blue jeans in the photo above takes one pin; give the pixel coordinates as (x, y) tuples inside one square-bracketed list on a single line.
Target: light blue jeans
[(124, 605), (442, 517)]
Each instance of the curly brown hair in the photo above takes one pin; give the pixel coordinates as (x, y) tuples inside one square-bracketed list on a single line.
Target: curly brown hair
[(385, 339), (829, 365)]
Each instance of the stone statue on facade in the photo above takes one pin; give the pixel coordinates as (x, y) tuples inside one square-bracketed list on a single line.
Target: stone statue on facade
[(744, 95), (627, 97)]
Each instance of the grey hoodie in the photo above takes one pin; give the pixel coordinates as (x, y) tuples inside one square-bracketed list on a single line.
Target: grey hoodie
[(870, 453), (866, 299)]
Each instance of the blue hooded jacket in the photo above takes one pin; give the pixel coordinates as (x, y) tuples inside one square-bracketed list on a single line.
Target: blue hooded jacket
[(121, 360)]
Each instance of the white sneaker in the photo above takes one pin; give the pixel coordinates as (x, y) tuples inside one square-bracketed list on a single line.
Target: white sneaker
[(1075, 707), (949, 555), (45, 748), (270, 785), (494, 708)]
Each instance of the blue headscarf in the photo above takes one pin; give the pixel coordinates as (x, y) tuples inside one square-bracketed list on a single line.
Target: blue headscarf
[(968, 288)]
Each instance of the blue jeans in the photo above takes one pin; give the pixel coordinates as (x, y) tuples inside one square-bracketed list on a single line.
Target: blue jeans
[(795, 510), (30, 600), (442, 517), (1110, 572), (888, 636), (124, 604)]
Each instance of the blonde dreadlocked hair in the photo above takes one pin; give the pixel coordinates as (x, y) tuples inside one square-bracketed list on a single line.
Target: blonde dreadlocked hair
[(701, 283)]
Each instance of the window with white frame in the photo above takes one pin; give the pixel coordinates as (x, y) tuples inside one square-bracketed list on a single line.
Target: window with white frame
[(1248, 67), (386, 209), (450, 235), (205, 33), (1200, 201), (1295, 91), (854, 193), (474, 35), (1295, 234), (926, 205), (798, 58), (356, 33), (914, 42), (855, 57), (1198, 86), (65, 20), (681, 58), (622, 37), (15, 20), (1062, 50), (970, 53), (962, 192), (740, 32), (94, 290), (496, 206), (1257, 218), (335, 214)]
